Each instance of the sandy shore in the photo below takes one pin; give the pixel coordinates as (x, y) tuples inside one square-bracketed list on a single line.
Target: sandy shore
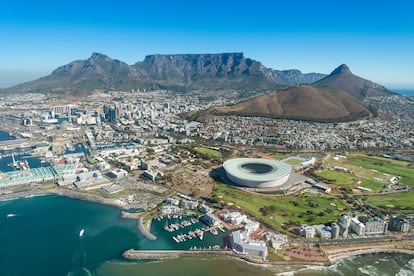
[(145, 230)]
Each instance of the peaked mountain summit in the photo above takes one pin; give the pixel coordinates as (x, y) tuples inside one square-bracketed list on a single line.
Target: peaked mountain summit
[(303, 102), (342, 78), (175, 72)]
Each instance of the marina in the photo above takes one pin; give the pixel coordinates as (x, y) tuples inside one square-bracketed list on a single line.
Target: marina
[(187, 232), (195, 230)]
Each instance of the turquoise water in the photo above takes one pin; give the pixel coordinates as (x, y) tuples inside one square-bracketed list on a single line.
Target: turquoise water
[(43, 239), (43, 236)]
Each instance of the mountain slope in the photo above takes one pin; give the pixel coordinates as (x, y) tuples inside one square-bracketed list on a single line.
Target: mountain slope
[(175, 72), (342, 78), (303, 102)]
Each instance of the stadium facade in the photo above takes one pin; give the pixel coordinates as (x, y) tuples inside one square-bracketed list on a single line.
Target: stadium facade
[(257, 172)]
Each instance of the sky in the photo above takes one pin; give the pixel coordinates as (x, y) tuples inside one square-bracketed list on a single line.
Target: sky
[(374, 38)]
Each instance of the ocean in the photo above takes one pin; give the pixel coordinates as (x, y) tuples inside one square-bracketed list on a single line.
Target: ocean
[(42, 238), (405, 92)]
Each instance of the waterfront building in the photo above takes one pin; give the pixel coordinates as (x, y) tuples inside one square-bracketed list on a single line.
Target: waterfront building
[(399, 224), (172, 201), (235, 218), (189, 204), (323, 231), (241, 243), (346, 221), (343, 231), (277, 241), (210, 219), (357, 227), (252, 226), (170, 210), (204, 209), (307, 231), (376, 226), (335, 228), (24, 177)]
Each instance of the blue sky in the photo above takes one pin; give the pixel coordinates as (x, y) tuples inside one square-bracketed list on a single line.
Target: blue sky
[(375, 38)]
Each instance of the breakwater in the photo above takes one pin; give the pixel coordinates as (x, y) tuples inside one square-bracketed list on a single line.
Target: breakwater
[(133, 254)]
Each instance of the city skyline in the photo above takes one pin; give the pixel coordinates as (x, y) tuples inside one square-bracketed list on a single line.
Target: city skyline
[(374, 38)]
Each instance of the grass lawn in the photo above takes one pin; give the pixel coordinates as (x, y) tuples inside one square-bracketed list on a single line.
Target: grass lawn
[(293, 161), (399, 203), (388, 166), (375, 186), (288, 210), (209, 152), (339, 178)]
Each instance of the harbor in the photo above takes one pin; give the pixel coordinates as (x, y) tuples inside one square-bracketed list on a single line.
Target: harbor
[(181, 224), (188, 232)]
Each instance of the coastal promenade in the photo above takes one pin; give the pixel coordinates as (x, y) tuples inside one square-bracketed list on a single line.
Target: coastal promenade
[(336, 253)]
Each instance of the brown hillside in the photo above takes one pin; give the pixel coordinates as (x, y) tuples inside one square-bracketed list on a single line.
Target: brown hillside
[(342, 78), (303, 102)]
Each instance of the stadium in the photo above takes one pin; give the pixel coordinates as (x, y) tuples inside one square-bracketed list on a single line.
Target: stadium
[(256, 172)]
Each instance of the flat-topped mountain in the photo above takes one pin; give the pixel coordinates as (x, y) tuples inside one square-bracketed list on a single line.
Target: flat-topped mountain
[(358, 87), (304, 102), (175, 72)]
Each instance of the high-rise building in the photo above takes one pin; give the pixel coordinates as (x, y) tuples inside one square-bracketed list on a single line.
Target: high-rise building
[(335, 230), (399, 224), (307, 231), (376, 226), (112, 115), (357, 227), (346, 221)]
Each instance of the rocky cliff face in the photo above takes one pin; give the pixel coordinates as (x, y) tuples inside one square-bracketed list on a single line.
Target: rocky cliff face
[(182, 71)]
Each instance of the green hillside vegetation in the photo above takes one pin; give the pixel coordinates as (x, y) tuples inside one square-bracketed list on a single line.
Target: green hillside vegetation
[(282, 212)]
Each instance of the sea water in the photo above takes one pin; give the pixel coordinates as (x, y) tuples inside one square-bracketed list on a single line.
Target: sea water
[(42, 238)]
